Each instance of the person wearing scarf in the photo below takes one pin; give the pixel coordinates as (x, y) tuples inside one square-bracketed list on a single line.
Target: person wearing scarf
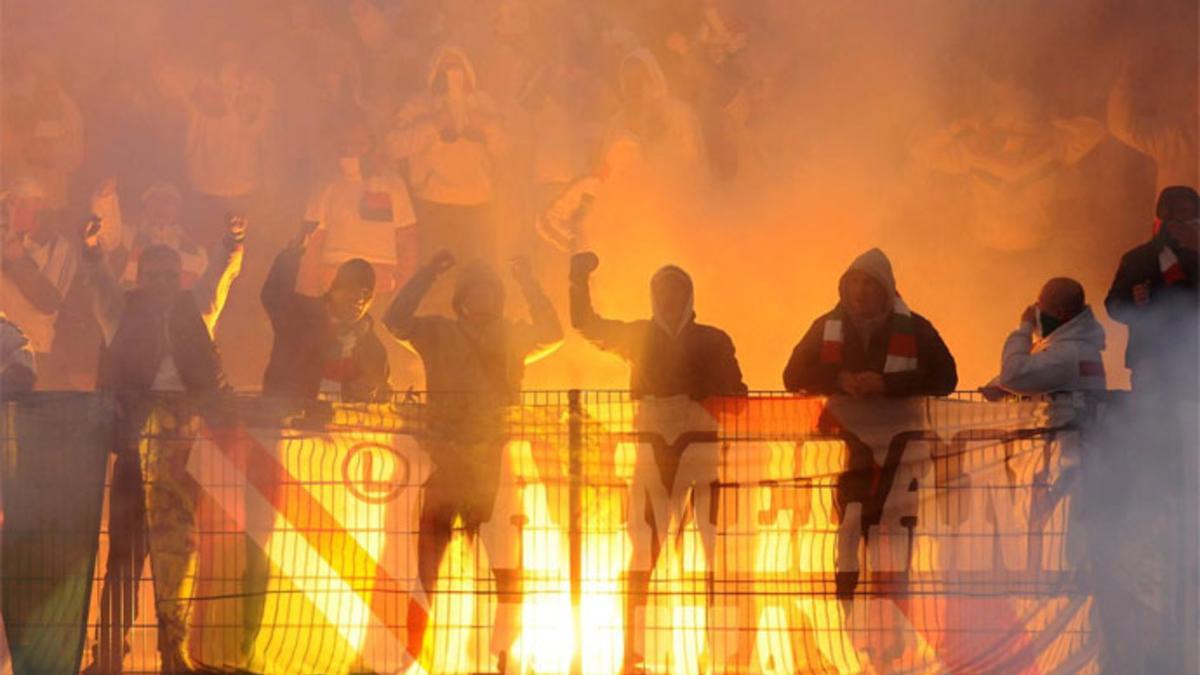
[(871, 343), (675, 364), (474, 365), (327, 343), (1154, 293)]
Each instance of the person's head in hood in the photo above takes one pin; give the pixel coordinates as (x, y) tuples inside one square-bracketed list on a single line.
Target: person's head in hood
[(1060, 300), (642, 79), (1178, 214), (159, 273), (478, 294), (352, 291), (868, 288), (162, 205), (24, 203), (672, 299), (451, 74)]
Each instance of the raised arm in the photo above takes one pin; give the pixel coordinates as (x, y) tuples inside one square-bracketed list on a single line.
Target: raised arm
[(279, 290), (544, 334), (1023, 372), (620, 337), (108, 301), (401, 318), (212, 289), (1123, 123)]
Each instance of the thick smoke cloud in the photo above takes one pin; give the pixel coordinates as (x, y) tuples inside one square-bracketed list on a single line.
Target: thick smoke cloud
[(971, 141)]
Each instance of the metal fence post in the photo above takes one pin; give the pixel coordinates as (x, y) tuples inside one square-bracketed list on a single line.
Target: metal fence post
[(575, 531)]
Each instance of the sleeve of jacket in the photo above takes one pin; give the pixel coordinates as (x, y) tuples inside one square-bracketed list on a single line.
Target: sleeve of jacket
[(805, 371), (1119, 301), (1023, 372), (936, 373), (401, 318), (108, 300), (726, 373), (544, 334), (620, 337), (279, 290)]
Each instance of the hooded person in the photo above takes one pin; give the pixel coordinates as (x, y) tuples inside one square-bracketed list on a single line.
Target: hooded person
[(675, 364), (1055, 349), (324, 344), (871, 343), (158, 343), (665, 128), (474, 364), (450, 137), (1155, 294)]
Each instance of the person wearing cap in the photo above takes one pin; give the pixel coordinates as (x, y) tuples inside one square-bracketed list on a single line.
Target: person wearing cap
[(871, 343), (474, 364), (325, 344), (1055, 349), (676, 364), (1154, 293)]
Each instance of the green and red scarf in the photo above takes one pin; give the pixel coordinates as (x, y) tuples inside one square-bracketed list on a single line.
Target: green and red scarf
[(902, 345)]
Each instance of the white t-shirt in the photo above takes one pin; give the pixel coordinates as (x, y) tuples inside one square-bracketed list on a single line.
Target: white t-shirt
[(360, 217)]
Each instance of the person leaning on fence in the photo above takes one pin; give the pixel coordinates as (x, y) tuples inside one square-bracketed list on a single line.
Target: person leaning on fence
[(328, 343), (675, 363), (1055, 349), (157, 338), (871, 343), (1155, 294), (474, 364)]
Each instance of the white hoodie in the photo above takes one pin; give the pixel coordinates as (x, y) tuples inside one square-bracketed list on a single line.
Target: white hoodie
[(1067, 360)]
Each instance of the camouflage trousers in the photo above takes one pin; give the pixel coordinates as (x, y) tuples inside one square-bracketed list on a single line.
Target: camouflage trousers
[(152, 512)]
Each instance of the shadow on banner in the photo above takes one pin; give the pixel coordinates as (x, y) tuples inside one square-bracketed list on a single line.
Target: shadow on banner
[(52, 476)]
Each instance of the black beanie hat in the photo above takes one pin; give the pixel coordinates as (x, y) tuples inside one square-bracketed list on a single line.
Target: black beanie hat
[(356, 273)]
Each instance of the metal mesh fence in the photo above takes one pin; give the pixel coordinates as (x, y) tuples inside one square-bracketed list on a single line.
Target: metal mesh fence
[(584, 532)]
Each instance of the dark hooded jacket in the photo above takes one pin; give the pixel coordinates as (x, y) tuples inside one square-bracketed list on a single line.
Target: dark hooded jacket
[(305, 335), (1164, 333), (935, 375), (472, 371), (691, 359)]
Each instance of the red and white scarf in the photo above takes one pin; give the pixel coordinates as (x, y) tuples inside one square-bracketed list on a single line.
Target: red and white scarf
[(902, 345), (1168, 264)]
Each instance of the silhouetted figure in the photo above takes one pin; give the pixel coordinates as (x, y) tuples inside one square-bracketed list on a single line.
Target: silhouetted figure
[(871, 344), (474, 363), (1155, 294), (157, 338), (325, 344), (675, 363)]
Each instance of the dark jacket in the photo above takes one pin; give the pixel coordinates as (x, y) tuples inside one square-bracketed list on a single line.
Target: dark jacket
[(305, 336), (699, 361), (139, 335), (935, 375), (1164, 334)]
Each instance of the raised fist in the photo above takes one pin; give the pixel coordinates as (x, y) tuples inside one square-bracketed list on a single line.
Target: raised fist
[(441, 261), (91, 232), (583, 264), (235, 229)]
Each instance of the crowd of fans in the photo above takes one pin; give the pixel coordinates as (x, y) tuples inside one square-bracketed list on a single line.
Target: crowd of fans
[(125, 230)]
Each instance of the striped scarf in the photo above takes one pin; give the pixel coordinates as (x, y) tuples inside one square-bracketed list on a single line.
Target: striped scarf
[(1168, 264), (902, 345)]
